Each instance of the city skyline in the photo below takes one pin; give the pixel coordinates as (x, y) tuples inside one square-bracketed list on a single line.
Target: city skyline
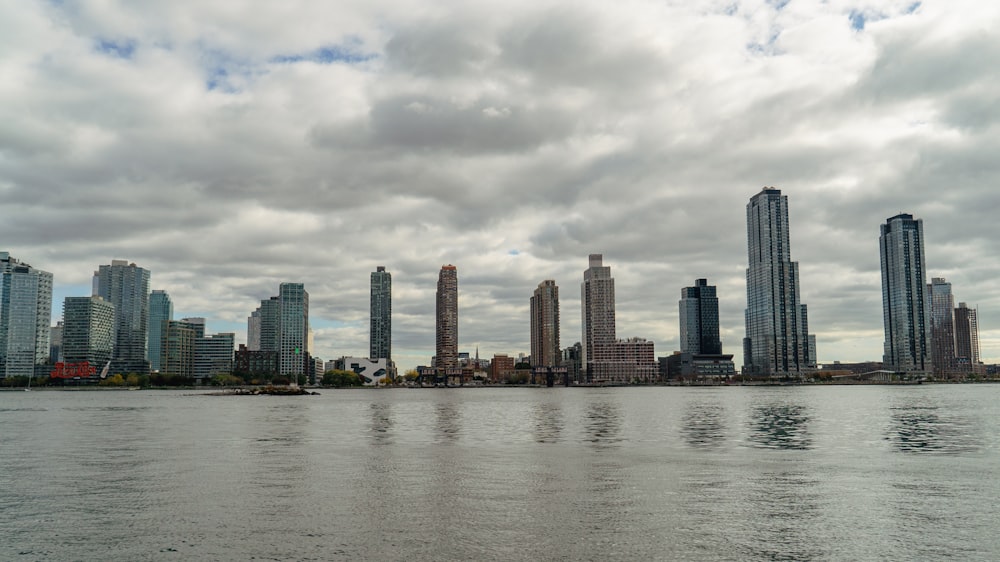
[(510, 141)]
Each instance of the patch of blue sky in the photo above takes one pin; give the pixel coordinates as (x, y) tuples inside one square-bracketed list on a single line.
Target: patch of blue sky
[(860, 19), (912, 8), (514, 253), (778, 4), (857, 20), (329, 54), (228, 74), (121, 49)]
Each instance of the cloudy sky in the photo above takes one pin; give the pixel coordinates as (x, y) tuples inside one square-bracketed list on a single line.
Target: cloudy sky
[(229, 146)]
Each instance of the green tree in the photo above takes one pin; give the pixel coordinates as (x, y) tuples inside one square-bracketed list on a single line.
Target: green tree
[(411, 375), (340, 379)]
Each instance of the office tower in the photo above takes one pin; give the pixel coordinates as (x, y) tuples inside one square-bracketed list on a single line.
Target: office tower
[(447, 318), (904, 311), (25, 317), (161, 309), (967, 339), (213, 355), (126, 286), (941, 306), (88, 331), (777, 341), (597, 302), (544, 303), (177, 346), (293, 329), (380, 333), (699, 319)]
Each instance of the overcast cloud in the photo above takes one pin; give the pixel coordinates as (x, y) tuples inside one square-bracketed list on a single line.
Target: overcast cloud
[(231, 146)]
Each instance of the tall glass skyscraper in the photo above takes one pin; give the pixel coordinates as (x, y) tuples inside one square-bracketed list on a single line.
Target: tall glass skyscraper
[(380, 334), (941, 307), (161, 310), (544, 303), (777, 341), (25, 317), (699, 319), (293, 305), (126, 286), (446, 356), (904, 303)]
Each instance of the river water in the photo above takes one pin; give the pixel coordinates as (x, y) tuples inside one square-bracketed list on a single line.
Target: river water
[(741, 473)]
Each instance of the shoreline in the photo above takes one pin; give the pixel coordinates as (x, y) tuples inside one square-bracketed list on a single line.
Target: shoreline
[(259, 390)]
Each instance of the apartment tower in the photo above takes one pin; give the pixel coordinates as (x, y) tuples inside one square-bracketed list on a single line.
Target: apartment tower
[(380, 329), (126, 286), (88, 331), (777, 342), (904, 303), (967, 339), (161, 310), (544, 303), (597, 300), (293, 329), (25, 317), (699, 319), (447, 319), (941, 307)]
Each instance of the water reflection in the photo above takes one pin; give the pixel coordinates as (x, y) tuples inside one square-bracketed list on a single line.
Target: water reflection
[(548, 422), (702, 425), (381, 423), (780, 426), (785, 508), (447, 421), (603, 423), (918, 428)]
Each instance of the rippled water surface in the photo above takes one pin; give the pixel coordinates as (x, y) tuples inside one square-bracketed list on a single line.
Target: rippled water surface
[(763, 473)]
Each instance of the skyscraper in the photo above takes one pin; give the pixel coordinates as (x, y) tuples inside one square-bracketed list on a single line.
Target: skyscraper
[(380, 334), (161, 310), (88, 331), (967, 339), (597, 301), (544, 303), (904, 305), (777, 341), (446, 356), (699, 319), (266, 322), (126, 286), (25, 317), (293, 304), (941, 306)]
